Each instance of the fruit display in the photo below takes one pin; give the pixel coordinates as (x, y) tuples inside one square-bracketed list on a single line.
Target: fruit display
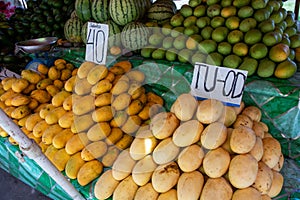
[(198, 150), (119, 133), (82, 118), (41, 18), (258, 36), (94, 117)]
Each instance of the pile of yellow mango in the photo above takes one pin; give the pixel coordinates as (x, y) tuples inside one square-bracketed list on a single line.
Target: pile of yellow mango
[(80, 117)]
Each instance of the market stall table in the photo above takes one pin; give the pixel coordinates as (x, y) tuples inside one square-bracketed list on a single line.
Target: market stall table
[(278, 100)]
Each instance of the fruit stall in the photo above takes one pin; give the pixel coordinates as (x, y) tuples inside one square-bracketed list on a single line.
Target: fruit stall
[(100, 99)]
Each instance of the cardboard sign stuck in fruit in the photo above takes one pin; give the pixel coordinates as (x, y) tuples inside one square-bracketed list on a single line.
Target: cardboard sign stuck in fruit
[(220, 83), (96, 43)]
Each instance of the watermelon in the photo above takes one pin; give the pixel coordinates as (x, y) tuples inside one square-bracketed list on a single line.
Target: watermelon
[(84, 32), (114, 34), (100, 12), (160, 13), (123, 12), (169, 3), (72, 30), (83, 9), (134, 36), (143, 6)]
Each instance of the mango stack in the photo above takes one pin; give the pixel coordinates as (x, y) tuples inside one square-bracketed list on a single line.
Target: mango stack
[(80, 117), (198, 150), (259, 36)]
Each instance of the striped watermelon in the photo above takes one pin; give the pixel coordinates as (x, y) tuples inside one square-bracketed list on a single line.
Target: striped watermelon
[(143, 5), (72, 30), (83, 9), (160, 13), (134, 36), (169, 3), (123, 12), (84, 32), (100, 11), (114, 34)]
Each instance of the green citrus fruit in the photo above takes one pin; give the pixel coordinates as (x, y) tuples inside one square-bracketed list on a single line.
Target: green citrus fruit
[(232, 61), (258, 51), (224, 48)]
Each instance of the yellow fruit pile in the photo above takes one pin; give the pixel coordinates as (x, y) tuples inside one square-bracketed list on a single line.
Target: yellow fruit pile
[(199, 150), (80, 117)]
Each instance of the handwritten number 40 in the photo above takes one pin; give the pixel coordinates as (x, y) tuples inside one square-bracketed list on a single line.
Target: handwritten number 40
[(97, 40)]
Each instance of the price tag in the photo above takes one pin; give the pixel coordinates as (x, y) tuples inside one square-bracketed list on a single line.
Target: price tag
[(223, 84), (96, 45)]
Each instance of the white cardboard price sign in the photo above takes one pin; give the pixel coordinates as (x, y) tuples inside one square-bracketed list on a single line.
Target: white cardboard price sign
[(223, 84), (96, 44)]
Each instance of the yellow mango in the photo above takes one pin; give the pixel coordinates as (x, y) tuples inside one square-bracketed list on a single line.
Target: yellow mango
[(29, 88), (7, 83), (20, 112), (19, 85), (31, 76), (50, 152), (41, 96), (20, 100), (58, 99), (121, 102), (101, 87), (33, 105), (84, 105), (70, 83), (94, 150), (96, 74), (43, 69), (52, 90), (115, 135), (103, 114), (73, 165), (82, 87), (124, 142), (60, 159), (68, 102), (42, 84), (76, 143), (82, 123), (99, 131), (110, 156), (89, 171), (65, 74), (54, 73), (104, 99), (135, 107), (54, 115), (6, 95), (39, 128), (60, 139), (45, 110), (66, 120), (84, 69), (50, 132), (32, 120)]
